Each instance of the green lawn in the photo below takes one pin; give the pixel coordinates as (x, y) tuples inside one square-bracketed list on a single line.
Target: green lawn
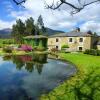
[(85, 85)]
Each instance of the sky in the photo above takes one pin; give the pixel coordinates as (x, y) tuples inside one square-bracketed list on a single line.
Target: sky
[(87, 19)]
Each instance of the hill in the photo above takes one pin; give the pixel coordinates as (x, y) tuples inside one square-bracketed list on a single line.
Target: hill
[(6, 33), (52, 32)]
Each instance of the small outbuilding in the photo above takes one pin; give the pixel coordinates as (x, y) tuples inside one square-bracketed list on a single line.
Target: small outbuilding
[(36, 40)]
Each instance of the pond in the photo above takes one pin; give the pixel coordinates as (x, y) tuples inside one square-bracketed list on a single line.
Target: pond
[(27, 77)]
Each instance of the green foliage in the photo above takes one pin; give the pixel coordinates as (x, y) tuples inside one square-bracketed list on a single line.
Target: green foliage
[(82, 86), (40, 49), (18, 31), (30, 27), (92, 52), (40, 46), (40, 21), (40, 24), (5, 42), (7, 49), (65, 46)]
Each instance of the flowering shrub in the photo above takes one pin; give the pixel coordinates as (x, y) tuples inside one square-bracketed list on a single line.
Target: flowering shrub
[(25, 48)]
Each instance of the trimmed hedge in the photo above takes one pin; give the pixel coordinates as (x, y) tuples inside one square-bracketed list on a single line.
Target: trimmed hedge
[(65, 46), (92, 52)]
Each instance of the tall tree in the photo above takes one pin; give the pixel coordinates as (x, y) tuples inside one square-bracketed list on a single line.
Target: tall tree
[(30, 27), (41, 24), (18, 30), (20, 26)]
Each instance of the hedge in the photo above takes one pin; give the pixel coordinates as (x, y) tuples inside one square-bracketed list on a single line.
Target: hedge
[(92, 52)]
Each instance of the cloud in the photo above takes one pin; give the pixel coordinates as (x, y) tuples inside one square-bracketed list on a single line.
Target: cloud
[(60, 20), (91, 25), (5, 24)]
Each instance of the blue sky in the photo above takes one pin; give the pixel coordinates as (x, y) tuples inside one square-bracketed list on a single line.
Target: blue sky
[(87, 19)]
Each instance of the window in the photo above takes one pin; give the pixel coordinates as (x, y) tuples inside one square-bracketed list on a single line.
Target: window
[(57, 40), (56, 47), (81, 40), (80, 48), (70, 40)]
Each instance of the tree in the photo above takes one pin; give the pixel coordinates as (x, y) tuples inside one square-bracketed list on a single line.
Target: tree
[(30, 27), (95, 34), (76, 8), (40, 24), (20, 26), (37, 31), (18, 30)]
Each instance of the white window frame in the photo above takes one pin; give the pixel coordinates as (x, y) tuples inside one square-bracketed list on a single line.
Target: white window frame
[(58, 40), (82, 41), (72, 40), (80, 46)]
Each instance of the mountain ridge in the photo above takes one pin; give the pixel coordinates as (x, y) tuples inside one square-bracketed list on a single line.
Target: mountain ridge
[(6, 33)]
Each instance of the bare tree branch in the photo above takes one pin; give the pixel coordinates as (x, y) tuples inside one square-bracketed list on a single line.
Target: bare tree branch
[(19, 2), (76, 8), (54, 6)]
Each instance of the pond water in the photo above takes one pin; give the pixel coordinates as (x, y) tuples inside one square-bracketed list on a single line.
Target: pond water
[(26, 77)]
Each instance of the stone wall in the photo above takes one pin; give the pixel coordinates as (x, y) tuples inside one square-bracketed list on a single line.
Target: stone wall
[(73, 46)]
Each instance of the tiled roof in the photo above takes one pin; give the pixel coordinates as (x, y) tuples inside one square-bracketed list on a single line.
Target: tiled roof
[(72, 34)]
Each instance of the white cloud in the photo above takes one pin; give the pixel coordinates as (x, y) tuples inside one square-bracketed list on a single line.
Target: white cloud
[(5, 24), (61, 20), (91, 25)]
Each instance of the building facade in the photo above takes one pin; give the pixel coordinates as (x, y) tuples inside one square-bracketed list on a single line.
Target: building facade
[(76, 41)]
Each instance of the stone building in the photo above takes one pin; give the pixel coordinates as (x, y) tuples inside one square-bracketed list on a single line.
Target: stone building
[(76, 41)]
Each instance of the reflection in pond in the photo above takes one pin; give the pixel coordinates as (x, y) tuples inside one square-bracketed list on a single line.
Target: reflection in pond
[(26, 77), (29, 62)]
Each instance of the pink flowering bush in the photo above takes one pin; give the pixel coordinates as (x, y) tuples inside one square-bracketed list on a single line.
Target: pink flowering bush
[(25, 48)]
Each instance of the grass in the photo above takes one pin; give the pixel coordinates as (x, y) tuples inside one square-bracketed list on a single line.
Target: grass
[(16, 52), (13, 53), (85, 85), (4, 42)]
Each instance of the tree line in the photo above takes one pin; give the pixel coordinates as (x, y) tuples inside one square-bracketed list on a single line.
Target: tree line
[(29, 27)]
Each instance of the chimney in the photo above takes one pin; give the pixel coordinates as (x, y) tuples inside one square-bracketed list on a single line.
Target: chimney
[(89, 32), (77, 29)]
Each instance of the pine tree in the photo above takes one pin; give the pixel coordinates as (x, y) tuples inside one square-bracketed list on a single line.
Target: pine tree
[(41, 25), (30, 27), (18, 30)]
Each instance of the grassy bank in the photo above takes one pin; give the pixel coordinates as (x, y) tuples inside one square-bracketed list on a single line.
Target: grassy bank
[(85, 85)]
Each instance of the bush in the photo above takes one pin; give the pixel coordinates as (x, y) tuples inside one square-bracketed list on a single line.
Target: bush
[(40, 48), (65, 46), (35, 48), (92, 52), (98, 52), (54, 50), (7, 50), (86, 51), (26, 48)]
